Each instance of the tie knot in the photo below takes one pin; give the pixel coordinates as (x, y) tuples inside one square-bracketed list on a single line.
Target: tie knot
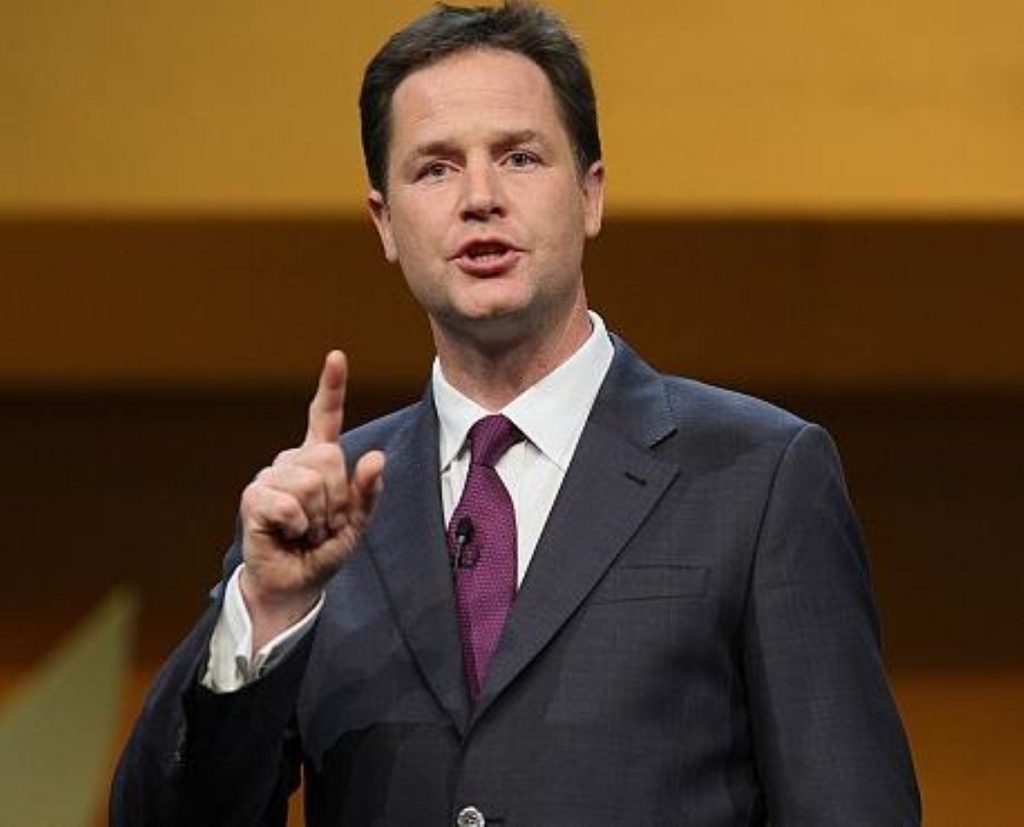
[(490, 437)]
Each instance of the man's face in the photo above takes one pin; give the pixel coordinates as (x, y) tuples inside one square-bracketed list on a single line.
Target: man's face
[(486, 212)]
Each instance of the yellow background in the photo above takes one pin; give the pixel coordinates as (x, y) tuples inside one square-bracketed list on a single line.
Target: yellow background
[(247, 105)]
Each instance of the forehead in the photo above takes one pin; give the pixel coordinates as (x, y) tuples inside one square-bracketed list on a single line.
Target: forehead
[(470, 89)]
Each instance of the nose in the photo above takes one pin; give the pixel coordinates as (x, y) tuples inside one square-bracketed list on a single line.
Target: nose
[(482, 198)]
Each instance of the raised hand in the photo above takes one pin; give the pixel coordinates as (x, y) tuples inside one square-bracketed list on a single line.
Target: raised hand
[(302, 516)]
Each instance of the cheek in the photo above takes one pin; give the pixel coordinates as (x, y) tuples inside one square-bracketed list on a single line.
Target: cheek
[(420, 229), (564, 215), (563, 231), (422, 263), (411, 242)]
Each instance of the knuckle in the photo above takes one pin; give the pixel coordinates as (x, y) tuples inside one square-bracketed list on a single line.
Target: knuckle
[(330, 452), (262, 476), (295, 480), (307, 483), (251, 494), (291, 510), (285, 457), (325, 455)]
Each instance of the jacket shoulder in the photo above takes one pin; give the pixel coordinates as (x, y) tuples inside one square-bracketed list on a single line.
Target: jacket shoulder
[(695, 412), (706, 409)]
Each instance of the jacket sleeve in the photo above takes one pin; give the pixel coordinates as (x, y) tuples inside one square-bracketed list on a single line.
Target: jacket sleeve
[(830, 746), (198, 758)]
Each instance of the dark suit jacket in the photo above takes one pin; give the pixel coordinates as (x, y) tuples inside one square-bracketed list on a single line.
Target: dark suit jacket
[(695, 643)]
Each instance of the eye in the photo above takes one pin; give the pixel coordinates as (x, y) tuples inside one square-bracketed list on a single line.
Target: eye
[(521, 159), (434, 170)]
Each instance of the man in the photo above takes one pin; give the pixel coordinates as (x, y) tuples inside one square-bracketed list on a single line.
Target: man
[(582, 593)]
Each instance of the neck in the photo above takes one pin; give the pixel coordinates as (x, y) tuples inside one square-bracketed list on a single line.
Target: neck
[(494, 373)]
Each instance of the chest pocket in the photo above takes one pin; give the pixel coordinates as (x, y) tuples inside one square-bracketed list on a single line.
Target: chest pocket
[(652, 582)]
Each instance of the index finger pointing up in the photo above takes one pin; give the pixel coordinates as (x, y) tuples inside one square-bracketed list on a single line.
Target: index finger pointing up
[(327, 410)]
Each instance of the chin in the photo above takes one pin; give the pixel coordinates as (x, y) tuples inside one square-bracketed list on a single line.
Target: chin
[(492, 323), (498, 306)]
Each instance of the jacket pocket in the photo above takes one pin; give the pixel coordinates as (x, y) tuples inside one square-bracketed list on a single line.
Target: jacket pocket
[(651, 582)]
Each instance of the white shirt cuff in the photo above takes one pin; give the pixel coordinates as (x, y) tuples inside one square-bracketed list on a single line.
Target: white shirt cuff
[(231, 664)]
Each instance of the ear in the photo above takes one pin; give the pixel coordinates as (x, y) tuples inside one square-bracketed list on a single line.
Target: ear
[(593, 198), (381, 215)]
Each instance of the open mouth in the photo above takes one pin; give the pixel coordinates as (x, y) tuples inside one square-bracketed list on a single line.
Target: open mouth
[(484, 251), (487, 257)]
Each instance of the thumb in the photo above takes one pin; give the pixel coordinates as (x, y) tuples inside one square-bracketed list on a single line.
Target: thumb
[(367, 480)]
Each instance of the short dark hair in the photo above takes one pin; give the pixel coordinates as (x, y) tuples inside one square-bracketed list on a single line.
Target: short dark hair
[(521, 27)]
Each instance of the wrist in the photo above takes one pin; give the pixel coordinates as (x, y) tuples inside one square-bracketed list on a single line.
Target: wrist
[(270, 613)]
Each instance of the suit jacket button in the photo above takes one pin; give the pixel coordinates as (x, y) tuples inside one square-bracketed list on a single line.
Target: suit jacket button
[(470, 817)]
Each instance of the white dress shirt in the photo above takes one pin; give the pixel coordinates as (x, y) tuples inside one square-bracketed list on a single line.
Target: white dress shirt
[(550, 413)]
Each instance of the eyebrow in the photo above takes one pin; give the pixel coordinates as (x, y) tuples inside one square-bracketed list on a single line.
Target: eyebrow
[(503, 140), (520, 136), (432, 148)]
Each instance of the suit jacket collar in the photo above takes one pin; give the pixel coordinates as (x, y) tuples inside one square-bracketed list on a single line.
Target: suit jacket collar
[(406, 543), (612, 483)]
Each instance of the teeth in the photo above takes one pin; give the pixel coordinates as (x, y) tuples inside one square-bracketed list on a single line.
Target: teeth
[(486, 251)]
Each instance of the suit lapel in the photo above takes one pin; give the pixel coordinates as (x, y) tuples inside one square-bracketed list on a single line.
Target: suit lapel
[(407, 547), (612, 484)]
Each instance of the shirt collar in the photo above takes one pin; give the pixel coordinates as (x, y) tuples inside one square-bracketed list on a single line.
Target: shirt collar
[(550, 413)]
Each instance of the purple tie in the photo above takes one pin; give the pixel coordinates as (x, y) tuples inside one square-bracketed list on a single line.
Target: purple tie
[(482, 540)]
